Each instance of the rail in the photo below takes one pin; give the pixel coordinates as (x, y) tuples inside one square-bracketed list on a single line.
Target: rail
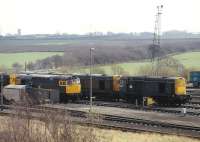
[(192, 109), (113, 122)]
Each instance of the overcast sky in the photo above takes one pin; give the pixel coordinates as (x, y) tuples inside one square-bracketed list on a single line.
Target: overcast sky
[(82, 16)]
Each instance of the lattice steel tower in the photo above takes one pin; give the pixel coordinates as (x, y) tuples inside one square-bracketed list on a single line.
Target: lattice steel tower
[(155, 47)]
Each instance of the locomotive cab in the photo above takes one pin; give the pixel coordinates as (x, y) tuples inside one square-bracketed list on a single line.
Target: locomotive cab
[(181, 96), (180, 86), (71, 89), (73, 86)]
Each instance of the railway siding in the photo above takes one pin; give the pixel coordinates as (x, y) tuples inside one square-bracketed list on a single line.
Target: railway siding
[(195, 96), (111, 121), (193, 110), (156, 116)]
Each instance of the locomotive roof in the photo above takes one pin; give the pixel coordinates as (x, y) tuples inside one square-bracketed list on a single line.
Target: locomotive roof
[(15, 86), (151, 77), (47, 75), (195, 72), (94, 76)]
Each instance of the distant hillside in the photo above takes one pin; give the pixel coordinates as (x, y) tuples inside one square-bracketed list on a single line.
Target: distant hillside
[(8, 59), (108, 49), (189, 60)]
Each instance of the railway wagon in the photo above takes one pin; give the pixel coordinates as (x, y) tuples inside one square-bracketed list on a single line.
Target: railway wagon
[(194, 78), (103, 87), (162, 90), (69, 87)]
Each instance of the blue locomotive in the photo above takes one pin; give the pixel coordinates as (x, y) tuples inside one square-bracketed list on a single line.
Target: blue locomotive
[(194, 78)]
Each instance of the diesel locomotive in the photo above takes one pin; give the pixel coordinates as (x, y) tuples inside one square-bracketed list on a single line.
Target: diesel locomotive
[(68, 86), (103, 87), (133, 89), (136, 89), (161, 90), (194, 78)]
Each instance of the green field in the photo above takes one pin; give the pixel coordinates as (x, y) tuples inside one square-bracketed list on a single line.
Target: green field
[(7, 59), (131, 67), (189, 60)]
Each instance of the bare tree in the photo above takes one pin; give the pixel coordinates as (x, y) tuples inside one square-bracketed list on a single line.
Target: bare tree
[(118, 70), (17, 67), (98, 70), (30, 66), (58, 61), (166, 67)]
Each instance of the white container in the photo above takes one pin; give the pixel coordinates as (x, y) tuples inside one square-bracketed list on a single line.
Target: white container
[(14, 92)]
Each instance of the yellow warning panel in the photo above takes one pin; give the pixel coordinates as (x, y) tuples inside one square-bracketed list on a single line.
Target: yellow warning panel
[(150, 101), (73, 89), (13, 79), (180, 86), (116, 83)]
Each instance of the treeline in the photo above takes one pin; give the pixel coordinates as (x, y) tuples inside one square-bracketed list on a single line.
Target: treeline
[(77, 52), (164, 67), (109, 55), (69, 64), (101, 35)]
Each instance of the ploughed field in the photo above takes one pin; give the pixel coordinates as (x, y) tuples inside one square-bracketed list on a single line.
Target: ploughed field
[(34, 45)]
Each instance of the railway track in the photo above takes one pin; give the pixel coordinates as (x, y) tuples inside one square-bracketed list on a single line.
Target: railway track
[(192, 110), (151, 123), (195, 96), (195, 100), (115, 122), (192, 106), (193, 91)]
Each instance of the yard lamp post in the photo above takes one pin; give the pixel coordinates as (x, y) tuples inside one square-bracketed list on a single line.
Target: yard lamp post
[(1, 91), (91, 64)]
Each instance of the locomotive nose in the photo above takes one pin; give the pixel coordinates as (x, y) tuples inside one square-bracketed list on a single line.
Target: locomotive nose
[(180, 86)]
